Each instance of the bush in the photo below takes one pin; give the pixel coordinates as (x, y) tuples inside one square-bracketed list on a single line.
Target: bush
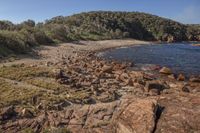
[(93, 26)]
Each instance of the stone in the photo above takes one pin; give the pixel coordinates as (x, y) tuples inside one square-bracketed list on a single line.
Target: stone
[(107, 69), (181, 77), (126, 78), (158, 85), (138, 117), (147, 76), (196, 45), (180, 114), (185, 89), (154, 92), (166, 70), (195, 79), (171, 77)]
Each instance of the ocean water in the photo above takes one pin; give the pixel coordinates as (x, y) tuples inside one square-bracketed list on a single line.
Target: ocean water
[(180, 57)]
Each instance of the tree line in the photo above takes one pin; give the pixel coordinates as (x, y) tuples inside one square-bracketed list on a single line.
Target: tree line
[(20, 38)]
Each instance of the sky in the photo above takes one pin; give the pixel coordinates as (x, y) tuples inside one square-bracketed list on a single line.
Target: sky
[(184, 11)]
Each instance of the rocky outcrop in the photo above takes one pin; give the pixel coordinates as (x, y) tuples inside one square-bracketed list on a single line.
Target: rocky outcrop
[(138, 117), (108, 97), (169, 113), (181, 114)]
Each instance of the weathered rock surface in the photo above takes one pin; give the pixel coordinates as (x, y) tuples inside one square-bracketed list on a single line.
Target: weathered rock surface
[(195, 79), (138, 117), (181, 114), (169, 113), (165, 70), (102, 96)]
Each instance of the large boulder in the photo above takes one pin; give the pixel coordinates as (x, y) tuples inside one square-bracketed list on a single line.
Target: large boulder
[(181, 114), (138, 117)]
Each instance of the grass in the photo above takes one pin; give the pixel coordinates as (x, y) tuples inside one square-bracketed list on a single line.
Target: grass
[(41, 84), (47, 83), (20, 73), (12, 94)]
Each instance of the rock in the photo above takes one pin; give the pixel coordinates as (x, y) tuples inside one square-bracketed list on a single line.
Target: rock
[(107, 69), (196, 45), (126, 79), (7, 113), (185, 89), (129, 64), (158, 85), (136, 74), (138, 117), (154, 92), (180, 114), (181, 77), (26, 113), (148, 76), (171, 77), (117, 67), (194, 87), (195, 79), (166, 70), (168, 113)]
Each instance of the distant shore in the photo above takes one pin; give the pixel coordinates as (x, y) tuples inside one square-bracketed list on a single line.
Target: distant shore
[(56, 52)]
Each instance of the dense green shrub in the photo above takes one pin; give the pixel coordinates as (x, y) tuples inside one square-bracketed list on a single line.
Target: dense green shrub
[(93, 26), (115, 25), (12, 41)]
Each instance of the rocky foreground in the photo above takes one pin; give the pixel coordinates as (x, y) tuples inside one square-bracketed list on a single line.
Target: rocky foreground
[(82, 93)]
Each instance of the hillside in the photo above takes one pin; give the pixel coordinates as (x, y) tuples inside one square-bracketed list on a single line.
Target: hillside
[(101, 25)]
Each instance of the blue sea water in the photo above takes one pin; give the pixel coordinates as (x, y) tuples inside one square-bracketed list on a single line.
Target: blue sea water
[(180, 57)]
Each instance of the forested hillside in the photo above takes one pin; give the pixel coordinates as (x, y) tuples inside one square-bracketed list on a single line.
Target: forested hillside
[(19, 38)]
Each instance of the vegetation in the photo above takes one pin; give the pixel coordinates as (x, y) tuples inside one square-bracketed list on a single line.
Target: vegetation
[(19, 84), (19, 38)]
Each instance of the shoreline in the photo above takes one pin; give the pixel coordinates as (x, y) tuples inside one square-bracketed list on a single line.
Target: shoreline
[(70, 86), (57, 52), (92, 47)]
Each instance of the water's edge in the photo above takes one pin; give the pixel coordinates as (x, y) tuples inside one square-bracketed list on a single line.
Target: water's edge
[(181, 57)]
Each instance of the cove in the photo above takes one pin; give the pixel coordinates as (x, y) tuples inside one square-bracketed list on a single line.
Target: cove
[(180, 57)]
